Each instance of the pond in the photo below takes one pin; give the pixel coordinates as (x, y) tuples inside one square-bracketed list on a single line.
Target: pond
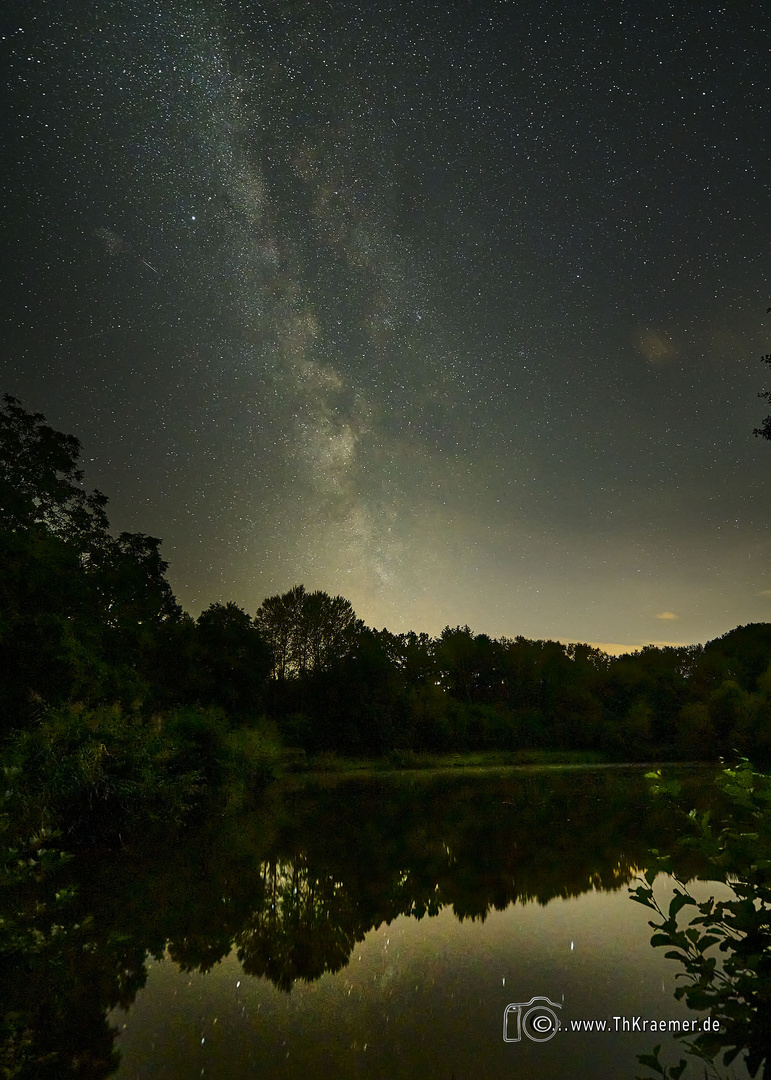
[(393, 925)]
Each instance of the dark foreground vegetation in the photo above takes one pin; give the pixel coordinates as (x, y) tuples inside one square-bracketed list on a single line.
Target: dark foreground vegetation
[(723, 947), (118, 709)]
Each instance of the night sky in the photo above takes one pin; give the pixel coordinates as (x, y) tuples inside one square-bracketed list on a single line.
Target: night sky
[(454, 308)]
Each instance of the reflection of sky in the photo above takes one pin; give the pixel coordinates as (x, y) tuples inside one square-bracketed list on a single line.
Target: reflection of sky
[(419, 999)]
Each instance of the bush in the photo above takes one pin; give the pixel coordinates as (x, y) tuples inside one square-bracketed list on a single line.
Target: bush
[(250, 760), (725, 946), (103, 771)]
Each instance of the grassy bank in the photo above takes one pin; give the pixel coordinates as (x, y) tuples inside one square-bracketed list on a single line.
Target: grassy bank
[(103, 775), (297, 761)]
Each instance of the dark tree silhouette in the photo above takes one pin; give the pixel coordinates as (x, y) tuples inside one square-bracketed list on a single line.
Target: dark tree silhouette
[(79, 607), (40, 482), (233, 659), (307, 632)]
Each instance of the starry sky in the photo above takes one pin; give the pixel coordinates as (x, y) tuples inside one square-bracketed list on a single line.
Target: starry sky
[(453, 308)]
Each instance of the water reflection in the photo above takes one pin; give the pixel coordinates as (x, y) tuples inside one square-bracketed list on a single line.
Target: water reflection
[(297, 883)]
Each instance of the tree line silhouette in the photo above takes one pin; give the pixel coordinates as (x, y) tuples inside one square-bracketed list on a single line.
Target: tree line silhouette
[(89, 620)]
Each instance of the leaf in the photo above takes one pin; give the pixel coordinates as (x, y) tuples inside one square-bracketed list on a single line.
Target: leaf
[(643, 896), (661, 939), (729, 1055), (678, 901), (652, 1060)]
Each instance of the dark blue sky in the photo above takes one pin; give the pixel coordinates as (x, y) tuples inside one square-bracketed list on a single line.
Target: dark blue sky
[(454, 309)]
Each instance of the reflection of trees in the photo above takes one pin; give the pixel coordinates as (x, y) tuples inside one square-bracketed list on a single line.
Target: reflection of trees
[(306, 925), (59, 975), (297, 884), (525, 842)]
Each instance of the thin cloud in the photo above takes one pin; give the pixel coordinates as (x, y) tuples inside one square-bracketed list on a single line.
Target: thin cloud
[(765, 592), (655, 347), (667, 616)]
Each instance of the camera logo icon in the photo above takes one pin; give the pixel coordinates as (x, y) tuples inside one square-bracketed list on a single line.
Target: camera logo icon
[(536, 1019)]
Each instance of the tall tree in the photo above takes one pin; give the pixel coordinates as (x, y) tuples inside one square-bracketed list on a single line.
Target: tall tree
[(40, 482), (234, 661), (326, 629), (277, 620), (307, 632), (78, 607)]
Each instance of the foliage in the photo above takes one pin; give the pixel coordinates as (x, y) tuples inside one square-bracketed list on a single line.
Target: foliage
[(232, 658), (25, 859), (306, 632), (735, 988), (78, 606), (103, 773), (40, 483), (36, 922), (250, 759)]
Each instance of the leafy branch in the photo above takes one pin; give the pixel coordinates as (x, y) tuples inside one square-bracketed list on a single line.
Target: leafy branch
[(735, 992)]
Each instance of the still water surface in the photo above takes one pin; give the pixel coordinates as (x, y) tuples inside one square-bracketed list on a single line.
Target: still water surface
[(398, 918), (418, 999), (379, 927)]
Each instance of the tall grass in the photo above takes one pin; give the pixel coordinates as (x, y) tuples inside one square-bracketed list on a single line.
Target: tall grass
[(105, 773)]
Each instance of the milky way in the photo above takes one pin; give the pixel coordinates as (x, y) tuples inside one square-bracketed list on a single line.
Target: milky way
[(453, 309)]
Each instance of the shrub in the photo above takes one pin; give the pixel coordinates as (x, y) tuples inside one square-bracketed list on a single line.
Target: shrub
[(100, 772)]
